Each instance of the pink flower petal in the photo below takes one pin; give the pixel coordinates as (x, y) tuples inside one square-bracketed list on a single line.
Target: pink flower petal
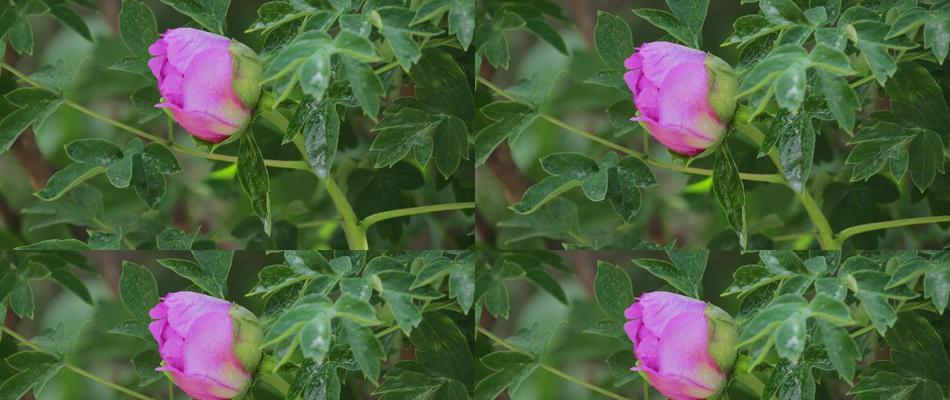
[(185, 43)]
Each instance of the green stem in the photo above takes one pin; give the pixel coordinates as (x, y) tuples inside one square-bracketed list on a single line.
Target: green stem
[(300, 165), (355, 237), (752, 383), (859, 229), (386, 331), (402, 212), (551, 369), (275, 381), (861, 81), (825, 233), (771, 178), (76, 369), (862, 331)]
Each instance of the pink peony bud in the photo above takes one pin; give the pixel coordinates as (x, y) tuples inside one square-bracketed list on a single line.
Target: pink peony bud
[(210, 348), (685, 347), (209, 83), (685, 97)]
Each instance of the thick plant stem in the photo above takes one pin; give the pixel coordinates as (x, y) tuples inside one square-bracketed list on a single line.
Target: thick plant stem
[(771, 178), (859, 229), (355, 237), (825, 233), (551, 369), (76, 369)]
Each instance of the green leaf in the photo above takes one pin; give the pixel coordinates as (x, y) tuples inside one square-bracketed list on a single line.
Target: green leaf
[(149, 166), (830, 309), (748, 278), (366, 348), (137, 27), (138, 290), (782, 74), (273, 14), (916, 347), (569, 165), (830, 59), (209, 13), (202, 276), (936, 33), (97, 152), (685, 275), (36, 105), (252, 173), (462, 286), (34, 370), (926, 158), (355, 309), (510, 369), (450, 145), (397, 29), (144, 100), (613, 40), (442, 75), (398, 295), (869, 38), (878, 143), (613, 290), (542, 192), (623, 186), (842, 101), (56, 244), (69, 18), (66, 179), (365, 84), (748, 28), (780, 324), (842, 350), (795, 136), (175, 239), (510, 119), (667, 22), (400, 132), (461, 17), (61, 274), (21, 37), (441, 346), (916, 96), (692, 14), (782, 11), (937, 285), (353, 45), (57, 77), (144, 365), (730, 192), (105, 240), (869, 287)]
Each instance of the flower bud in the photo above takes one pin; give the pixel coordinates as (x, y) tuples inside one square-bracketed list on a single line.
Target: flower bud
[(210, 84), (684, 96), (684, 346), (209, 347)]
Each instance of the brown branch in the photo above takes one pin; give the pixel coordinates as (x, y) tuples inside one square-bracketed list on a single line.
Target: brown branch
[(110, 10), (584, 17), (9, 215)]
